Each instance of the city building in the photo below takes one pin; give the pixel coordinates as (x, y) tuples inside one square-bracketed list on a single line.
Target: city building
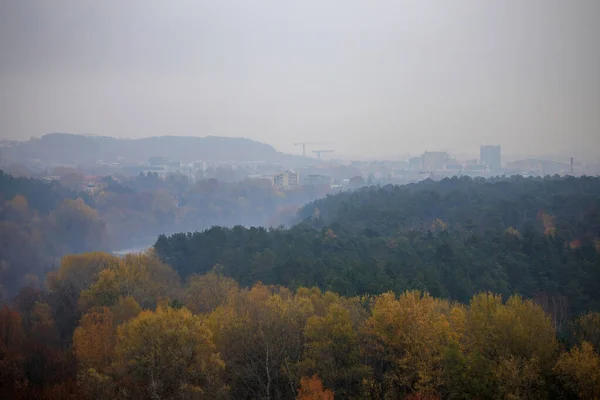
[(286, 180), (491, 157), (454, 166), (415, 163), (434, 160), (539, 167), (317, 179)]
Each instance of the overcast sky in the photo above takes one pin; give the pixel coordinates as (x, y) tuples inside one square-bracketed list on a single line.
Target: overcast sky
[(371, 77)]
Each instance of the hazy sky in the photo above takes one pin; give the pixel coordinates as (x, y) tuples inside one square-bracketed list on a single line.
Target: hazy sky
[(372, 77)]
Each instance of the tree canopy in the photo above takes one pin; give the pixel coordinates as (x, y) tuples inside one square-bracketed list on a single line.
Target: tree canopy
[(533, 237)]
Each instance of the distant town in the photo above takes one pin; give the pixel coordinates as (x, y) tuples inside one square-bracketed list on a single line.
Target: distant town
[(282, 172), (431, 164)]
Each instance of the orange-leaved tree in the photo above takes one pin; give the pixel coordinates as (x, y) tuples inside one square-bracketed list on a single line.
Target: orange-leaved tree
[(312, 389)]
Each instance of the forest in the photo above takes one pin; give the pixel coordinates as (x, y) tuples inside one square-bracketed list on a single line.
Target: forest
[(42, 221), (533, 237), (459, 289), (129, 328)]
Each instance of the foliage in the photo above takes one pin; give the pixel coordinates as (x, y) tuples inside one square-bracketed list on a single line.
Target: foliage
[(259, 334), (312, 389), (431, 291), (168, 354), (93, 340), (586, 328), (266, 341), (204, 293), (579, 371), (332, 352), (406, 339), (40, 222), (453, 265), (569, 205)]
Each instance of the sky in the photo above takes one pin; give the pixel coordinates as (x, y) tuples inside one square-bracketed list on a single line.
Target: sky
[(380, 78)]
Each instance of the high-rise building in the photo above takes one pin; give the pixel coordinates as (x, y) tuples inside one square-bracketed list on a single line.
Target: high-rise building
[(491, 157), (434, 160)]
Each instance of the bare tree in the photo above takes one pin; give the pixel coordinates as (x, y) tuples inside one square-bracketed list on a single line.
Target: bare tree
[(557, 308)]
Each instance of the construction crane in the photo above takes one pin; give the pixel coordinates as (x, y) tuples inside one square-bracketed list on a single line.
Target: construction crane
[(318, 152), (303, 144)]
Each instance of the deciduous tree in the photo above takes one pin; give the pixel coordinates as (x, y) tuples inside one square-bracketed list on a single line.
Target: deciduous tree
[(312, 389), (168, 354), (579, 371), (332, 352)]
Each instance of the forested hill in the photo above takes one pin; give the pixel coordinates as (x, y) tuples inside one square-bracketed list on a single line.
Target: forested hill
[(466, 204), (63, 148), (41, 196), (42, 221), (39, 223), (453, 239)]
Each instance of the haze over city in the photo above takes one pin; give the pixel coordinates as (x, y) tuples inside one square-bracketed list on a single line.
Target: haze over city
[(374, 79)]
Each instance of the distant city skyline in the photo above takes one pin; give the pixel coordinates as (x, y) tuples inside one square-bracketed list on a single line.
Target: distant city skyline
[(459, 154)]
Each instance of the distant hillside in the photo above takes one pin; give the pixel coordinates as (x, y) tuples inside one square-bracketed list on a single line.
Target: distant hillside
[(41, 196), (465, 203), (39, 223), (454, 238), (59, 148)]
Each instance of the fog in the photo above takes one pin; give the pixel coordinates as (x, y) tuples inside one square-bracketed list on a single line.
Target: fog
[(373, 79)]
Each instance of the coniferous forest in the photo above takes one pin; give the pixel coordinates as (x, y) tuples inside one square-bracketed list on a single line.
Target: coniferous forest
[(458, 289), (453, 239)]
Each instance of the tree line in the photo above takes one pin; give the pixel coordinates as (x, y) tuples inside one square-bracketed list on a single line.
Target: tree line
[(42, 221), (39, 223), (458, 289), (129, 328), (535, 237), (466, 204)]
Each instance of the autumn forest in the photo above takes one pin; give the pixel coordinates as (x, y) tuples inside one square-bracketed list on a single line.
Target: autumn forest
[(458, 289)]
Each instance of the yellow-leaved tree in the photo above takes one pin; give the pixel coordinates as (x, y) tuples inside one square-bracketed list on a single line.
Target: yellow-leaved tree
[(332, 352), (405, 339), (94, 340), (259, 333), (141, 276), (125, 309), (518, 341), (587, 328), (93, 343), (579, 371), (168, 354), (204, 293)]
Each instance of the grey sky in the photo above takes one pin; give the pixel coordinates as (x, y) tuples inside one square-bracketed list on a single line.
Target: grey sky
[(374, 78)]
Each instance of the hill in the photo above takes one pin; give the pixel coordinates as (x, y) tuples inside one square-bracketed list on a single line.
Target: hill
[(64, 148), (39, 223), (41, 196), (476, 205), (453, 239)]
